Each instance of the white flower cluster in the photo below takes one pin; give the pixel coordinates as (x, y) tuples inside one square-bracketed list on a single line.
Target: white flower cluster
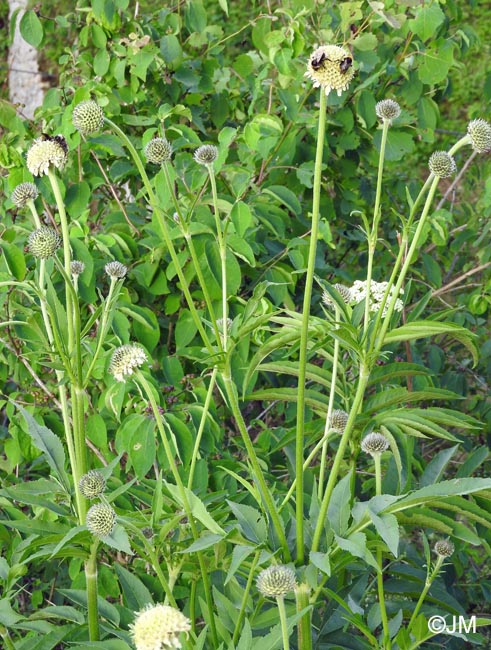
[(358, 292)]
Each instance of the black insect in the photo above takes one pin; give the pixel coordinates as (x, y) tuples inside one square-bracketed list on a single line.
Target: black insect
[(317, 61), (345, 64), (59, 139)]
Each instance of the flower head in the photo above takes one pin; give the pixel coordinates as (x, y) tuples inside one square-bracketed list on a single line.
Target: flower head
[(92, 484), (43, 242), (374, 443), (116, 270), (344, 292), (23, 193), (220, 324), (480, 134), (338, 421), (276, 580), (442, 164), (158, 151), (77, 267), (45, 152), (158, 627), (387, 110), (444, 548), (358, 293), (88, 117), (125, 360), (206, 154), (100, 520), (330, 67)]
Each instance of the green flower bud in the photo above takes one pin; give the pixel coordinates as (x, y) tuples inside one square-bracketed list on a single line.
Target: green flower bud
[(125, 360), (100, 520), (442, 164), (374, 443), (338, 421), (276, 580), (23, 193), (206, 154), (116, 270), (387, 110), (92, 484), (158, 151), (480, 134), (444, 548), (88, 117), (77, 267), (44, 242)]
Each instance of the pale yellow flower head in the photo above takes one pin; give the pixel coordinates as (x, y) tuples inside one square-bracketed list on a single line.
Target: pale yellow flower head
[(47, 152), (158, 627), (330, 67)]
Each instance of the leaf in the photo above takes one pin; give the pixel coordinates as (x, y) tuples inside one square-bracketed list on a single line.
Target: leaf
[(15, 260), (135, 592), (47, 442), (119, 540), (273, 641), (204, 541), (65, 612), (356, 544), (442, 490), (31, 29), (437, 60), (198, 508), (338, 512), (106, 610), (388, 529), (239, 554), (427, 21), (286, 197), (251, 522), (426, 328), (321, 561), (435, 468)]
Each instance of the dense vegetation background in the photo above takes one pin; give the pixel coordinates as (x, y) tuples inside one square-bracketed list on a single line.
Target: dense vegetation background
[(232, 74)]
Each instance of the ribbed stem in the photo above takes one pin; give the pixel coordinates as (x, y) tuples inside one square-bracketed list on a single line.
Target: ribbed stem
[(245, 597), (199, 435), (223, 255), (380, 574), (91, 583), (428, 583), (300, 429), (302, 593), (284, 627)]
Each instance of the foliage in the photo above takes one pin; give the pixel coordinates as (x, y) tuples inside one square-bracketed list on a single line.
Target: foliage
[(200, 447)]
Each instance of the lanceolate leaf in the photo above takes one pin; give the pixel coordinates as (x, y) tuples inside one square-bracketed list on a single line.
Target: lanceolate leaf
[(433, 493)]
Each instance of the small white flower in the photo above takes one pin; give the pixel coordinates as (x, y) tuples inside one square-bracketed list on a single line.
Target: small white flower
[(125, 360), (158, 627)]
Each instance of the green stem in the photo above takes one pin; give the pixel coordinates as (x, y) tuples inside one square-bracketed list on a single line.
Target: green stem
[(380, 573), (338, 458), (165, 233), (4, 633), (223, 255), (428, 583), (204, 415), (332, 392), (259, 476), (372, 237), (284, 627), (245, 597), (304, 628), (184, 498), (300, 430), (91, 581)]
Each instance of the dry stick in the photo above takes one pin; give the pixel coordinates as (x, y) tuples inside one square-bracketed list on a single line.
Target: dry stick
[(462, 277)]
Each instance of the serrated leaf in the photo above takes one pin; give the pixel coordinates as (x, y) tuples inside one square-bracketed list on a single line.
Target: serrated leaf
[(136, 594), (251, 522), (118, 539), (15, 260)]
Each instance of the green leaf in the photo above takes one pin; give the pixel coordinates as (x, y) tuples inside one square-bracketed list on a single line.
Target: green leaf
[(338, 512), (239, 554), (321, 561), (356, 544), (442, 490), (206, 540), (251, 522), (241, 215), (388, 529), (185, 329), (426, 328), (31, 29), (119, 540), (427, 21), (65, 612), (106, 610), (136, 594), (286, 197), (47, 442), (435, 468), (15, 260), (198, 508), (437, 61), (399, 144)]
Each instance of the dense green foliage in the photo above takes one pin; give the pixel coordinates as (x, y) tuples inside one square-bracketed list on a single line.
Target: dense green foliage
[(232, 75)]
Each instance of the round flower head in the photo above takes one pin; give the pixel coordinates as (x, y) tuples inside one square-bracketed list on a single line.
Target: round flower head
[(88, 117), (92, 484), (344, 292), (125, 360), (338, 421), (374, 443), (46, 152), (77, 267), (220, 324), (480, 134), (444, 548), (100, 520), (330, 67), (158, 151), (387, 109), (158, 627), (206, 154), (442, 164), (43, 242), (276, 580), (116, 270), (23, 193)]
